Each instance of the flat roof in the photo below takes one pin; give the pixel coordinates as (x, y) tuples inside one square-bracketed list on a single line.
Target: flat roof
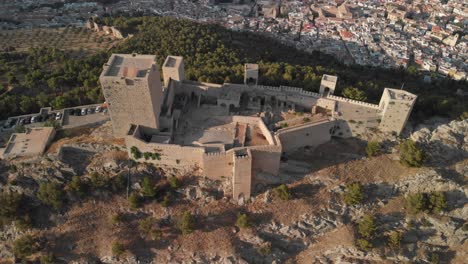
[(130, 65), (401, 95), (251, 66), (32, 142), (173, 61), (330, 78)]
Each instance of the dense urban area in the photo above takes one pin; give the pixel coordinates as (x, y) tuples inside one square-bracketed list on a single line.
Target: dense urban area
[(233, 131)]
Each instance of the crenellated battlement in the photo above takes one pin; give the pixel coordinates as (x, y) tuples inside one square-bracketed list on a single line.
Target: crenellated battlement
[(346, 100)]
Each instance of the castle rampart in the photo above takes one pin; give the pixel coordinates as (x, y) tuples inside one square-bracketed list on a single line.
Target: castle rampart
[(221, 153)]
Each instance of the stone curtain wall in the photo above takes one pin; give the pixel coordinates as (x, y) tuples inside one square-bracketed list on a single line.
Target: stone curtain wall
[(311, 134), (170, 155)]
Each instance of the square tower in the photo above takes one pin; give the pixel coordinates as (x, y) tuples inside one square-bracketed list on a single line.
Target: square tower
[(395, 106), (251, 74), (132, 87), (328, 84), (173, 68)]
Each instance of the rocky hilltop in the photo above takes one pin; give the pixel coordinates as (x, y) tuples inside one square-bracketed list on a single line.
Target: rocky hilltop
[(332, 204)]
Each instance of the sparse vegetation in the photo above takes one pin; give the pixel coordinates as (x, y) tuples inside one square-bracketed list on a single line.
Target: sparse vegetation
[(242, 220), (48, 259), (147, 228), (434, 202), (365, 230), (353, 194), (282, 192), (9, 207), (98, 181), (410, 154), (372, 148), (51, 194), (364, 244), (134, 200), (166, 200), (265, 249), (394, 239), (25, 246), (148, 188), (185, 223), (174, 182), (78, 186), (117, 248), (116, 218), (136, 153)]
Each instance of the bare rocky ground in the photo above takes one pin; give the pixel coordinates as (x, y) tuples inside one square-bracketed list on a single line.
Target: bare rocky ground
[(314, 226)]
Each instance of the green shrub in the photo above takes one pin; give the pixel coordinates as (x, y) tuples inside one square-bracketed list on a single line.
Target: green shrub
[(98, 181), (265, 249), (437, 202), (134, 200), (354, 93), (306, 119), (372, 148), (410, 154), (147, 155), (364, 244), (174, 182), (434, 258), (147, 228), (136, 153), (282, 192), (25, 246), (78, 186), (185, 223), (118, 182), (242, 220), (48, 259), (116, 218), (117, 248), (9, 207), (20, 129), (434, 202), (148, 189), (366, 227), (155, 156), (353, 194), (51, 194), (394, 239), (416, 202), (166, 200)]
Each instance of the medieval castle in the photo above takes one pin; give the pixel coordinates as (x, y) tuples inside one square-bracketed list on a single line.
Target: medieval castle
[(236, 132)]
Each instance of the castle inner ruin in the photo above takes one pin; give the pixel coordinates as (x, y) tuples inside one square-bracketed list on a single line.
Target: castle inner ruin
[(234, 132)]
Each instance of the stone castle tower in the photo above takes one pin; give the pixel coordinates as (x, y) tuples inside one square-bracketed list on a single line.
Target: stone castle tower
[(132, 87), (395, 106), (173, 68), (328, 85), (251, 73)]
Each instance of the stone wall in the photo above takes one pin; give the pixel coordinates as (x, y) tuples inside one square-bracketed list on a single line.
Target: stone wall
[(218, 165), (309, 134), (176, 156), (242, 176)]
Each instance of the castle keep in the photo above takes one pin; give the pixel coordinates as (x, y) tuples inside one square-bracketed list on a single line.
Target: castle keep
[(234, 132)]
